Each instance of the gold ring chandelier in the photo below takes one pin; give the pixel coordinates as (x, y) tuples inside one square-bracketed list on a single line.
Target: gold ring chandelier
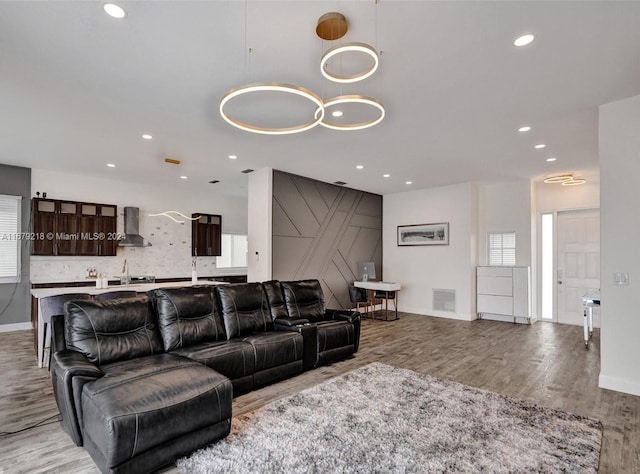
[(331, 26)]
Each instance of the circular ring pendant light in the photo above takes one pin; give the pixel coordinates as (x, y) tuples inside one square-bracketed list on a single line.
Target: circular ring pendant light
[(351, 99), (346, 48), (560, 178), (273, 87)]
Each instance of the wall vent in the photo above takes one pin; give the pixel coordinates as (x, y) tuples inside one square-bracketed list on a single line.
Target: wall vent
[(444, 300)]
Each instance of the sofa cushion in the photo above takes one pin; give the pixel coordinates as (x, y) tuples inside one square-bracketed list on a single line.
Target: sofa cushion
[(187, 316), (273, 349), (143, 403), (233, 359), (113, 330), (244, 309), (275, 298), (304, 299)]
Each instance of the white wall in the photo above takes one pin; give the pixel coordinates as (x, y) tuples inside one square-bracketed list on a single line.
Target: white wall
[(506, 207), (420, 269), (260, 265), (170, 253), (620, 227), (555, 197)]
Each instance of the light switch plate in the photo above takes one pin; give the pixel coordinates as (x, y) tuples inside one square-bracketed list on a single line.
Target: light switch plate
[(621, 278)]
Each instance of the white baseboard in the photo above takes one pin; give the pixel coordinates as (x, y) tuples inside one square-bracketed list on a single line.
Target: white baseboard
[(438, 314), (619, 385), (15, 327)]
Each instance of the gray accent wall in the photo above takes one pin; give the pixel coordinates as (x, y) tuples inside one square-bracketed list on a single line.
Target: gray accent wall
[(321, 231), (15, 299)]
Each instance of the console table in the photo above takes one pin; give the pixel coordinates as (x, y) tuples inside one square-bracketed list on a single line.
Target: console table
[(382, 286)]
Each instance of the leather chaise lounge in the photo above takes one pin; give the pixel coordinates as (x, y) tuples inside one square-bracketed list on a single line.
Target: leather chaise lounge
[(142, 381)]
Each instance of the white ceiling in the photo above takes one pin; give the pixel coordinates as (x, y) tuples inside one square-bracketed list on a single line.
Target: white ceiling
[(78, 88)]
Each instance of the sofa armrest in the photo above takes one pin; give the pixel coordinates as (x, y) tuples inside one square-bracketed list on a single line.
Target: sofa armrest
[(342, 315), (290, 321), (354, 317), (70, 370)]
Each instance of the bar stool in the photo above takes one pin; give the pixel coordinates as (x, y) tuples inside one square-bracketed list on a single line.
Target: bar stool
[(113, 295), (54, 306)]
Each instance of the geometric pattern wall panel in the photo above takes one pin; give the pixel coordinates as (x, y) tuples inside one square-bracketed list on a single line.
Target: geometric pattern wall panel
[(322, 231)]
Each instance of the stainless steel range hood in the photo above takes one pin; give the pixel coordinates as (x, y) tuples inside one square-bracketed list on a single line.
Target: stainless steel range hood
[(132, 237)]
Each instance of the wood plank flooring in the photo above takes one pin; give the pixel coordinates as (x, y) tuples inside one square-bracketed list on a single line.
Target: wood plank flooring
[(543, 363)]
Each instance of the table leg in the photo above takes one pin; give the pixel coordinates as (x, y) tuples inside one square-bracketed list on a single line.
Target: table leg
[(586, 326), (41, 340), (590, 321)]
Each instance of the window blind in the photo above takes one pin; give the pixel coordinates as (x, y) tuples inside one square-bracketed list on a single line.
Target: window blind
[(502, 249), (10, 238)]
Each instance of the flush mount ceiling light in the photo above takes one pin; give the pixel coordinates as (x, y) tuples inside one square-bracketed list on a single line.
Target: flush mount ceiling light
[(353, 99), (273, 87), (574, 182), (559, 178), (114, 10), (566, 179), (348, 48)]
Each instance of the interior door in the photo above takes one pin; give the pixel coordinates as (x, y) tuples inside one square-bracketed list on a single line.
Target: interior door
[(578, 263)]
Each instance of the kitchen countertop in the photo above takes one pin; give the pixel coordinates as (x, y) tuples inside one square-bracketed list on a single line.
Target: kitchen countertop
[(140, 288)]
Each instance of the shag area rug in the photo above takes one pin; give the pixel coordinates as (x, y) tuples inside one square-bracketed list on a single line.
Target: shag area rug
[(382, 419)]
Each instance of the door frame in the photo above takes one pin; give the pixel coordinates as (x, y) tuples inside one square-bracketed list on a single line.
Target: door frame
[(538, 259)]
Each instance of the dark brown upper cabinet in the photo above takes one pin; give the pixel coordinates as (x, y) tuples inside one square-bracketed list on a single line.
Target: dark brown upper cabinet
[(206, 235), (73, 228)]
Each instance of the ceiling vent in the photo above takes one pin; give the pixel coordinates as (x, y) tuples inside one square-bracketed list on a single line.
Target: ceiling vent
[(339, 183), (247, 171), (214, 181)]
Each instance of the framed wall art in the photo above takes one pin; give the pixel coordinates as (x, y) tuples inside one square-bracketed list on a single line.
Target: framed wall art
[(423, 234)]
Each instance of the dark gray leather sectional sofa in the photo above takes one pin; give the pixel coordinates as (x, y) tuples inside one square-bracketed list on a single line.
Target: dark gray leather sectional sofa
[(142, 381)]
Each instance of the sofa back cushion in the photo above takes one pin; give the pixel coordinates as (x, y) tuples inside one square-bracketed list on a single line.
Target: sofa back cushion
[(275, 298), (244, 309), (187, 316), (109, 331), (304, 299)]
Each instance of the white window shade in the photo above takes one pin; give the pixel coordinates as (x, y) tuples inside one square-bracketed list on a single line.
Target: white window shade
[(502, 249), (10, 238)]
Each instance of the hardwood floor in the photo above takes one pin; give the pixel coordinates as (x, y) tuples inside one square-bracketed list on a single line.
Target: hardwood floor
[(543, 363)]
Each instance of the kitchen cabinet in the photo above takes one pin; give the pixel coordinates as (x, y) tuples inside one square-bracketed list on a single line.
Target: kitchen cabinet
[(67, 228), (206, 235), (503, 291)]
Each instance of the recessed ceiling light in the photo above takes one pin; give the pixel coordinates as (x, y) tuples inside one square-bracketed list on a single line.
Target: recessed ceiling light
[(114, 10), (524, 40), (526, 128), (408, 182), (359, 167), (111, 165), (146, 136), (183, 177), (552, 159), (233, 157), (540, 146), (337, 113), (386, 175)]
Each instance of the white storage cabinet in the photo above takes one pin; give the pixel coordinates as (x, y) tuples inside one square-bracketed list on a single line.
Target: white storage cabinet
[(503, 291)]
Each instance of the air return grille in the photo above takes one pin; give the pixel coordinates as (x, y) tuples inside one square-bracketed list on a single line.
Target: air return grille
[(444, 300)]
